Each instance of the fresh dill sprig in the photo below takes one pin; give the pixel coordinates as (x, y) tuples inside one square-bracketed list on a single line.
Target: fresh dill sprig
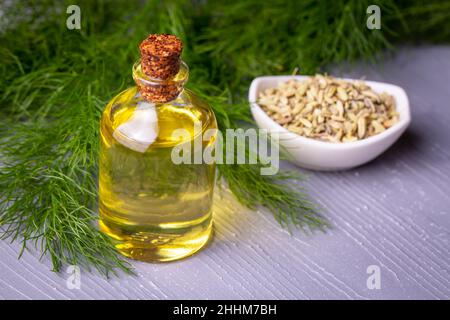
[(54, 83)]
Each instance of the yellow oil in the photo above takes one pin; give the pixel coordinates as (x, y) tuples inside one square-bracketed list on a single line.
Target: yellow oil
[(154, 210)]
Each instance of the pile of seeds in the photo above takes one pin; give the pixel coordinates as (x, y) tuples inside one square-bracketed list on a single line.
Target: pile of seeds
[(329, 109)]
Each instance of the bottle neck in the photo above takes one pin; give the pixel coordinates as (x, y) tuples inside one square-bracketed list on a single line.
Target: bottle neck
[(157, 90)]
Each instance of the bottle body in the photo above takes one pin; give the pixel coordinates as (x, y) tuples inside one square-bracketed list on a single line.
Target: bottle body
[(154, 208)]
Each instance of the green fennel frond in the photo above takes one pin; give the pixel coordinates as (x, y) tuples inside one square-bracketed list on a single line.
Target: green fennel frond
[(54, 83)]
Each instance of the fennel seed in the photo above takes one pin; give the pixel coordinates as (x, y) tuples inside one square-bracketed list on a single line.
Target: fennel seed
[(329, 109)]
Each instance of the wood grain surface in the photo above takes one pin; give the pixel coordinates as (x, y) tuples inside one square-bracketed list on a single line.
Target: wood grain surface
[(393, 213)]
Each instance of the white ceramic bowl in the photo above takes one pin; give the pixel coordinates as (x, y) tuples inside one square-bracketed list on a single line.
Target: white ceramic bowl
[(321, 155)]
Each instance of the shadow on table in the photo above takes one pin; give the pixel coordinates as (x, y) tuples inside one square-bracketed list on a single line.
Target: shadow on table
[(405, 149)]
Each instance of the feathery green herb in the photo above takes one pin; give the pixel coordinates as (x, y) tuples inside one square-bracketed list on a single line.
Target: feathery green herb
[(54, 83)]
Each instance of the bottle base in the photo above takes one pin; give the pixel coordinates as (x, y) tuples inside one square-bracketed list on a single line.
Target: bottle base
[(158, 247)]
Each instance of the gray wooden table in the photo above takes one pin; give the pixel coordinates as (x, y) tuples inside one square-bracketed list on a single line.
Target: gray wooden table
[(393, 214)]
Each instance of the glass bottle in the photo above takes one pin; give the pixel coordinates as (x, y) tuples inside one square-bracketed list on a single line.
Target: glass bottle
[(155, 208)]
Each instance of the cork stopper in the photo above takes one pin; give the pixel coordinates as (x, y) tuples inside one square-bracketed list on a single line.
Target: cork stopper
[(160, 62), (160, 55)]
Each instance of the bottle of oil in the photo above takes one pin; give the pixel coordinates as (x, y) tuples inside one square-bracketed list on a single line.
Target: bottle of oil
[(153, 208)]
